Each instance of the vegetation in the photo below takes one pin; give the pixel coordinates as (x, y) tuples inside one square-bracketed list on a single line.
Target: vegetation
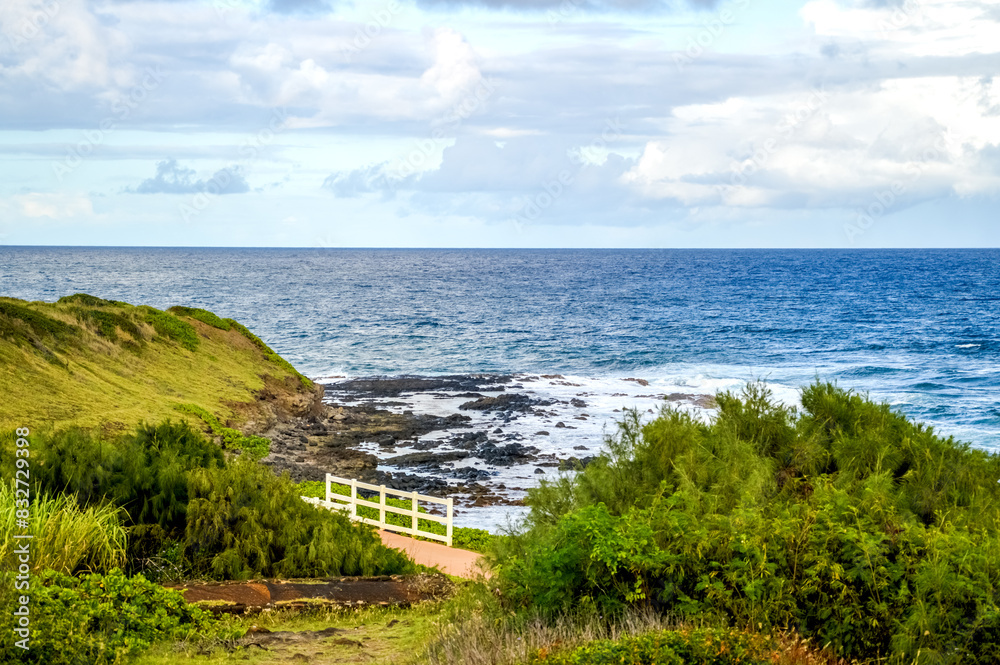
[(99, 619), (706, 646), (64, 537), (90, 362), (202, 315), (184, 505), (267, 351), (844, 521), (256, 447), (243, 521)]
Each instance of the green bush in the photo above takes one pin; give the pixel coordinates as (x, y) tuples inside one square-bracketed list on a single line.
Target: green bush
[(704, 646), (108, 324), (845, 522), (169, 326), (243, 521), (186, 511), (144, 472), (202, 315), (99, 620), (26, 327), (87, 300)]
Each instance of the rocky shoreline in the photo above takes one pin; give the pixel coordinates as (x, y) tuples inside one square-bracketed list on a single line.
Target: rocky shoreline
[(471, 445)]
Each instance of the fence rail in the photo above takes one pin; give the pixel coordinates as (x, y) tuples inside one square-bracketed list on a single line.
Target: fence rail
[(351, 503)]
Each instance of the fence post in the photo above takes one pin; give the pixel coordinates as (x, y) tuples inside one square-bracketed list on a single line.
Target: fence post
[(329, 494), (451, 518), (381, 501), (354, 497), (413, 502)]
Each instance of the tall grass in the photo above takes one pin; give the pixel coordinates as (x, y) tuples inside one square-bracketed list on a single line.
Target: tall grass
[(66, 538), (481, 638)]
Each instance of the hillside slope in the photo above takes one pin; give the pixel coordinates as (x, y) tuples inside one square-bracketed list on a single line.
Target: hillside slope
[(109, 364)]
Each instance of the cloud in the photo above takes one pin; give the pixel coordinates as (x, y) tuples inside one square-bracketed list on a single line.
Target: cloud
[(569, 6), (171, 178), (307, 7), (53, 205)]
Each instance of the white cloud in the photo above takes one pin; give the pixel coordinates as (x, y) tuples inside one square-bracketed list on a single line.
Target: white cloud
[(941, 28), (56, 206)]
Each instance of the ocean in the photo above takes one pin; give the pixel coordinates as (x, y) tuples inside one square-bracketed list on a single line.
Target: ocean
[(915, 328)]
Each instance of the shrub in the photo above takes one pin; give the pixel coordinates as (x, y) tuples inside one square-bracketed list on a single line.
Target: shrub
[(705, 646), (100, 620), (844, 521), (65, 537), (171, 327), (144, 472), (109, 323), (26, 327), (202, 315), (87, 300), (243, 521)]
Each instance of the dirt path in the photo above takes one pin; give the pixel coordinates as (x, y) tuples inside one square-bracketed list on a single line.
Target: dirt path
[(450, 560)]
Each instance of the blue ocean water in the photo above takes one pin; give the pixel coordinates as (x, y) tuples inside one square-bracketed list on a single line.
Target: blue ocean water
[(917, 328)]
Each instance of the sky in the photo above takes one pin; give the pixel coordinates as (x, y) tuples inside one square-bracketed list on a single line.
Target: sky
[(500, 123)]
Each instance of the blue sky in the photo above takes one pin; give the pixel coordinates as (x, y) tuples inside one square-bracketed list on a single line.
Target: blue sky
[(500, 123)]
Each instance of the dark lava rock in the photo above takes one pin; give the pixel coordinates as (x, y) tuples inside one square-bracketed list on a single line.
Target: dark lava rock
[(561, 424), (512, 453), (579, 447), (578, 403), (542, 433), (406, 482), (471, 473), (425, 459), (506, 402), (469, 440), (539, 469)]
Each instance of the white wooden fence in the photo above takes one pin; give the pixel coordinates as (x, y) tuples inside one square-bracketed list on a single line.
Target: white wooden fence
[(350, 505)]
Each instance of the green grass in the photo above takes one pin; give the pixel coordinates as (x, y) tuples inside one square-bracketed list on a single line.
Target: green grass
[(257, 447), (96, 363), (171, 327), (267, 351), (65, 537), (389, 636)]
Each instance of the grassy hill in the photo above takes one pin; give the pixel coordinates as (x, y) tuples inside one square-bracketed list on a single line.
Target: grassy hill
[(110, 365)]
